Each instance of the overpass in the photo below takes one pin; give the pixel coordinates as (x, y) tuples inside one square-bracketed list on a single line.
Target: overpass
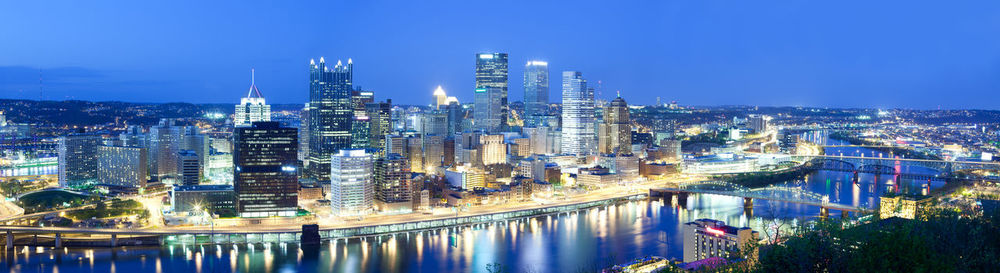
[(785, 194)]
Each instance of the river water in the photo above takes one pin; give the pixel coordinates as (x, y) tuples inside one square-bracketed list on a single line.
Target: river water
[(582, 241)]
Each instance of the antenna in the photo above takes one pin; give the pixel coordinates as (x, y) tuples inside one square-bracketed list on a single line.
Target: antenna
[(253, 86)]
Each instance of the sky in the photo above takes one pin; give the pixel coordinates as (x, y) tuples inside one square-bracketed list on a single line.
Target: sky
[(884, 54)]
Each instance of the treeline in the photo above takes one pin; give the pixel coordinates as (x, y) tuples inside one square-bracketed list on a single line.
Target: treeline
[(763, 179)]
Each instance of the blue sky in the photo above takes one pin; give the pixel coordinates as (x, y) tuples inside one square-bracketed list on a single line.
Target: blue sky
[(911, 54)]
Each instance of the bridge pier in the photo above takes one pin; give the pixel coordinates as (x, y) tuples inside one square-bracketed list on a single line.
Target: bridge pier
[(114, 240), (747, 203), (10, 240), (682, 198), (855, 179), (824, 212), (58, 240), (845, 215)]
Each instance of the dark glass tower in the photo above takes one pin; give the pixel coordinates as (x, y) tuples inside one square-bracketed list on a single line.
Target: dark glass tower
[(330, 115), (491, 75), (264, 173), (536, 92)]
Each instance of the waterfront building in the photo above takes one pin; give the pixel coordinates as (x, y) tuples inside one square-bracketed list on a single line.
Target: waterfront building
[(706, 238), (352, 191), (536, 92), (188, 167), (330, 114), (393, 189), (577, 115), (78, 156), (252, 108), (626, 166), (615, 134), (123, 166), (903, 206), (264, 174), (193, 199), (492, 149), (491, 77)]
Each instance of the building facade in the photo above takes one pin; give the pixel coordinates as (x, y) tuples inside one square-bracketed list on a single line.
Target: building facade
[(78, 156), (393, 188), (330, 114), (615, 134), (352, 191), (252, 108), (264, 174), (536, 92), (577, 115), (706, 238), (491, 76)]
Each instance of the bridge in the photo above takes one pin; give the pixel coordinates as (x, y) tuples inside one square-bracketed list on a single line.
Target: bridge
[(936, 169), (785, 194)]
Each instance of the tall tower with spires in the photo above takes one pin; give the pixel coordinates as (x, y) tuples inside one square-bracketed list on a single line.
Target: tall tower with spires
[(330, 114)]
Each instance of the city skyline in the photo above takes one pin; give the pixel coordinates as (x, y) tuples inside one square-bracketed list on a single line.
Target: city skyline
[(746, 57)]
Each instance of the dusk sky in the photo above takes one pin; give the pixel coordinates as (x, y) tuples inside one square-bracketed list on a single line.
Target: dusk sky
[(910, 54)]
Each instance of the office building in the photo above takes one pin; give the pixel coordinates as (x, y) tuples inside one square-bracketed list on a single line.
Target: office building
[(188, 167), (380, 114), (123, 166), (439, 98), (194, 199), (252, 108), (615, 134), (303, 153), (164, 140), (393, 189), (330, 114), (492, 149), (433, 148), (487, 108), (415, 153), (264, 174), (706, 238), (352, 191), (491, 77), (759, 123), (577, 115), (536, 92), (78, 159)]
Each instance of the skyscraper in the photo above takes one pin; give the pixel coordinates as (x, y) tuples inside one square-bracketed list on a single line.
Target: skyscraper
[(536, 92), (393, 188), (491, 72), (330, 114), (577, 115), (264, 173), (78, 159), (440, 98), (164, 141), (123, 166), (252, 108), (486, 112), (615, 134), (188, 167), (351, 186), (380, 114)]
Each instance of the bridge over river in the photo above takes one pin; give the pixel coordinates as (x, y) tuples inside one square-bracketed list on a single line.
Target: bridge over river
[(788, 194)]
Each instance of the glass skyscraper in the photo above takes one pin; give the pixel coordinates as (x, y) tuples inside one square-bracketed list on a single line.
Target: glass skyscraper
[(330, 115), (577, 115), (264, 173), (491, 76), (536, 92)]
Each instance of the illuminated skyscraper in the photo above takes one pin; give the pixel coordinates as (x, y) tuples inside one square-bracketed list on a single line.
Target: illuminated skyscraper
[(78, 154), (330, 114), (486, 112), (440, 98), (352, 191), (615, 134), (491, 76), (393, 188), (252, 108), (536, 92), (577, 115), (264, 172), (380, 114)]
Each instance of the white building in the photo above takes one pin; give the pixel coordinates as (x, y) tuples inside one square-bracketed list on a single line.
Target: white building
[(351, 186), (577, 115), (706, 238), (253, 108)]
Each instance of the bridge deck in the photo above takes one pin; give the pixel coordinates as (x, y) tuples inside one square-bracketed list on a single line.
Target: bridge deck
[(821, 204)]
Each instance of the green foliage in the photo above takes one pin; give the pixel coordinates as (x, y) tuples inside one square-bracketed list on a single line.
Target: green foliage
[(47, 200), (118, 208), (762, 179)]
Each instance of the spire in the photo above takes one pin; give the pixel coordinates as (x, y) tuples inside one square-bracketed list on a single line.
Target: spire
[(338, 63), (349, 61), (312, 61), (253, 86)]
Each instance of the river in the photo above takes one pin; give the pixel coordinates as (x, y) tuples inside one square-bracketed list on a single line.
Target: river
[(586, 240)]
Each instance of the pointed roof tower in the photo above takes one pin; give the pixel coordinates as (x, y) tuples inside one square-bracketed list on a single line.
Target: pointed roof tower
[(253, 87)]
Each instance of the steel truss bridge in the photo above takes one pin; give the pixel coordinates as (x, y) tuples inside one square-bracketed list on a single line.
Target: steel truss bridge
[(788, 194), (937, 169)]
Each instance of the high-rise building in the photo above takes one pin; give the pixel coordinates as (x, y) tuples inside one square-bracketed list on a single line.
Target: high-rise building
[(486, 112), (536, 92), (491, 76), (492, 149), (433, 152), (330, 114), (706, 238), (615, 133), (352, 191), (577, 115), (760, 123), (264, 172), (122, 166), (78, 159), (415, 153), (393, 189), (189, 169), (440, 98), (164, 140), (380, 114), (252, 108), (192, 139), (455, 115), (303, 154)]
